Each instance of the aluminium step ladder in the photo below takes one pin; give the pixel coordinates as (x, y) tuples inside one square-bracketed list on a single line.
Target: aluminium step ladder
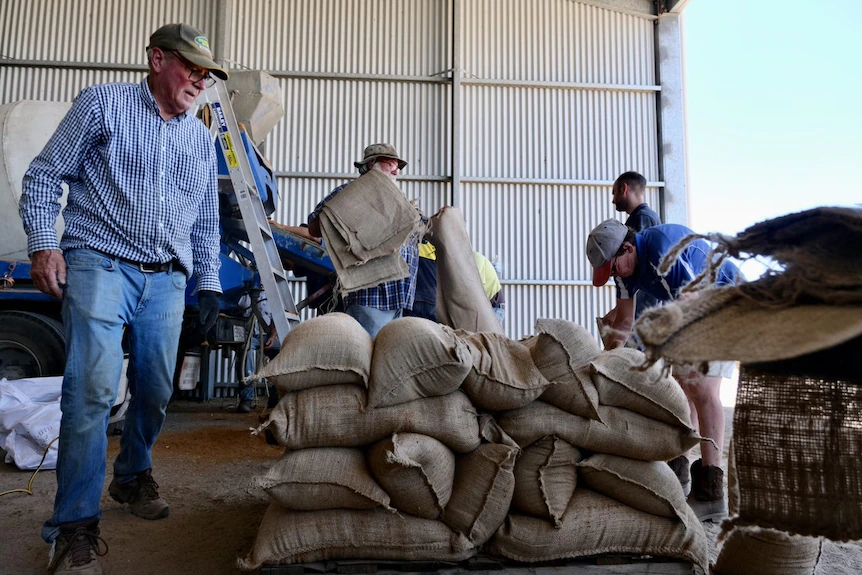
[(260, 237)]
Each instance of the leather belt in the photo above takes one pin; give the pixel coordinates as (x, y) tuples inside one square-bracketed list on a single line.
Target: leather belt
[(155, 267)]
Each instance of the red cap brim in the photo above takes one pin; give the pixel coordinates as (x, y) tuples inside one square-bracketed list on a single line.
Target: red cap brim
[(602, 274)]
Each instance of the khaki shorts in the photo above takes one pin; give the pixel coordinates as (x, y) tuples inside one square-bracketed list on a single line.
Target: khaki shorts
[(722, 369)]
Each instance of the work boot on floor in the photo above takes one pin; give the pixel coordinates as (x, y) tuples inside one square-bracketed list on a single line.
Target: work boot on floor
[(245, 406), (77, 549), (680, 469), (708, 499), (142, 495)]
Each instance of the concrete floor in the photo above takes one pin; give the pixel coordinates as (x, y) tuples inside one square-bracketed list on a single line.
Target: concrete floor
[(205, 461)]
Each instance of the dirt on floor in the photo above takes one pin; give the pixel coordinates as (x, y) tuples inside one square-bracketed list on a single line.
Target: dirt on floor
[(205, 462)]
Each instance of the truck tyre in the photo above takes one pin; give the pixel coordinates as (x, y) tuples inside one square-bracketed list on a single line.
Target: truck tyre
[(31, 345)]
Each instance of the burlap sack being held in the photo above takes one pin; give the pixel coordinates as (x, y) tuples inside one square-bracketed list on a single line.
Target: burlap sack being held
[(461, 299), (815, 303), (623, 432), (545, 479), (503, 375), (323, 478), (621, 382), (483, 488), (649, 486), (755, 551), (308, 536), (335, 415), (415, 358), (417, 471), (327, 350), (594, 524)]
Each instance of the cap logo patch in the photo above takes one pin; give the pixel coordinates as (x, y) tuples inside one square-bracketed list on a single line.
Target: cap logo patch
[(202, 42)]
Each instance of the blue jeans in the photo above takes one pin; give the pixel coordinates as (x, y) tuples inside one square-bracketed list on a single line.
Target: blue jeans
[(102, 295), (246, 391), (371, 318)]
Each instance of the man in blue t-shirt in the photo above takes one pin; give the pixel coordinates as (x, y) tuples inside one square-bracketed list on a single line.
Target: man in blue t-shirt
[(628, 196), (632, 259)]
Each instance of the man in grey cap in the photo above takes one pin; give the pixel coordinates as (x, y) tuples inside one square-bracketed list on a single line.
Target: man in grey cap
[(377, 306), (615, 250), (141, 218)]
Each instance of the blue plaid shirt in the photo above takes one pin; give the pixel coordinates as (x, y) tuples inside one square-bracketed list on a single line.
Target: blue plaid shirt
[(140, 187), (388, 295)]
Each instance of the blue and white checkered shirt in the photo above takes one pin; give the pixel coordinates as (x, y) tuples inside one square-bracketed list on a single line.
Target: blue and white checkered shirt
[(389, 295), (140, 187)]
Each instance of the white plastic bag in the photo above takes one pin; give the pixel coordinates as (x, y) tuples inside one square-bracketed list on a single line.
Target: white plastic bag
[(30, 420)]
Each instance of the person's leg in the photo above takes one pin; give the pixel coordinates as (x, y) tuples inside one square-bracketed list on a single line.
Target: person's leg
[(94, 304), (245, 390), (708, 414), (154, 335), (371, 318)]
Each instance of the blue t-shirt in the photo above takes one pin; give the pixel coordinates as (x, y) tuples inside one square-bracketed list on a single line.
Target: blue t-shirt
[(652, 244)]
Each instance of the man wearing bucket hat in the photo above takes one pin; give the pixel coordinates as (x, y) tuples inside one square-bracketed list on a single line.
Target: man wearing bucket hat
[(142, 217), (632, 259), (375, 307)]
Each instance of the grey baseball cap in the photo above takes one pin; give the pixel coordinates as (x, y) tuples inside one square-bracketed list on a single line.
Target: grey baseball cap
[(375, 151), (602, 245), (190, 42)]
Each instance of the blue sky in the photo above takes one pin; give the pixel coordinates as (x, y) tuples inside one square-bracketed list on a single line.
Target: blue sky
[(774, 108)]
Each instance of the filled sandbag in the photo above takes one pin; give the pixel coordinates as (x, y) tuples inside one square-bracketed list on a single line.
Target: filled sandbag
[(650, 486), (755, 551), (483, 487), (545, 479), (620, 432), (335, 416), (503, 375), (595, 524), (621, 381), (576, 395), (330, 349), (416, 471), (323, 478), (287, 536), (562, 347), (415, 358), (461, 300)]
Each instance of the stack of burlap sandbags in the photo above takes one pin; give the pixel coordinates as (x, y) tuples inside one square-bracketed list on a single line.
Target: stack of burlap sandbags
[(592, 476), (386, 458), (389, 458)]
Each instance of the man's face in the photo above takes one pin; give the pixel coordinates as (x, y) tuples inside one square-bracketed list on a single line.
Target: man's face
[(620, 196), (177, 86), (388, 166), (624, 266)]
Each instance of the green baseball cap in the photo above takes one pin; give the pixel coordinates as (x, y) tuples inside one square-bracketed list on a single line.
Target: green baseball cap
[(190, 42)]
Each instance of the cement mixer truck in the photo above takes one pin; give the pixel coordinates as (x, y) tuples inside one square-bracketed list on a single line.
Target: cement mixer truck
[(32, 341)]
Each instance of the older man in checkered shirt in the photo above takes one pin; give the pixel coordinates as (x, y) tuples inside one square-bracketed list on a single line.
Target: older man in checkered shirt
[(141, 218)]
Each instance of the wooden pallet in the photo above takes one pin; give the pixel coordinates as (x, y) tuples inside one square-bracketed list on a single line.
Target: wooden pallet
[(604, 564)]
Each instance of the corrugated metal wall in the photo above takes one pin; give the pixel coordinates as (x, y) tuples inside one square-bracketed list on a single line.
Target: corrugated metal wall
[(557, 98)]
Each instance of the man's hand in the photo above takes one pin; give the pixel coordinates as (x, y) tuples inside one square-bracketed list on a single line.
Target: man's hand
[(48, 270), (209, 308)]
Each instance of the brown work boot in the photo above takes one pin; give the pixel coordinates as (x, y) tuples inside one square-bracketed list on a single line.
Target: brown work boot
[(142, 495), (707, 499), (679, 466), (77, 549)]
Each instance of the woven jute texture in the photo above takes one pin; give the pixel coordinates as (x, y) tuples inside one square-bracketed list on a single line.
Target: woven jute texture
[(545, 479), (461, 299), (323, 478), (415, 358), (287, 536), (753, 551), (503, 375), (650, 486), (814, 303), (417, 471), (327, 350), (594, 524), (797, 441)]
